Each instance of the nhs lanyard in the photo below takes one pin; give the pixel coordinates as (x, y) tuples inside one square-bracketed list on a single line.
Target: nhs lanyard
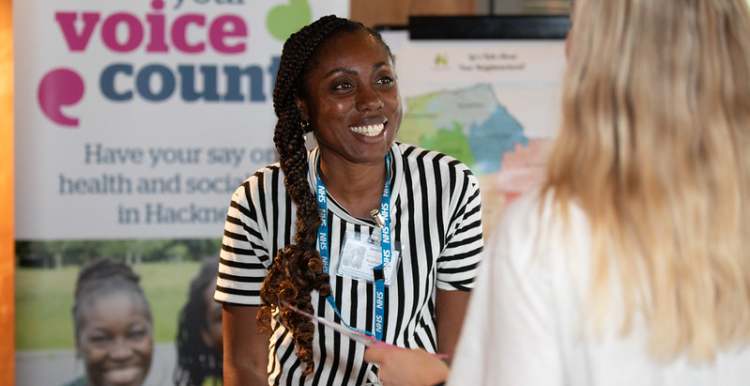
[(385, 248)]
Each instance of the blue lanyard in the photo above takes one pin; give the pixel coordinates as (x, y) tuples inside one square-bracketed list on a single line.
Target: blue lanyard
[(385, 246)]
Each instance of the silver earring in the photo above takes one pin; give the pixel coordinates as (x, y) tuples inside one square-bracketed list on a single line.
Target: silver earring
[(305, 125)]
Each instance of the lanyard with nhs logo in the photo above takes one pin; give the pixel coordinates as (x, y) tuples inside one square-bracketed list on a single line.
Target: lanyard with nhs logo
[(383, 218)]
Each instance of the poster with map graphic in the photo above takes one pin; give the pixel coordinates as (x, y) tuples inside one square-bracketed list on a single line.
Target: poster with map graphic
[(492, 104)]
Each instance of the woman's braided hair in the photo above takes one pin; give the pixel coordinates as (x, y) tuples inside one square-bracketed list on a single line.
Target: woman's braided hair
[(298, 269)]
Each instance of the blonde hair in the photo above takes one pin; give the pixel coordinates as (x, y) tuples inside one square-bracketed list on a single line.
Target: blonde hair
[(653, 146)]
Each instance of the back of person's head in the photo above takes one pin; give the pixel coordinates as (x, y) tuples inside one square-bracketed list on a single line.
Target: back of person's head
[(199, 355), (298, 268), (654, 147)]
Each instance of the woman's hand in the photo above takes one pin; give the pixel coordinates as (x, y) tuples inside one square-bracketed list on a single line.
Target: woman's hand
[(406, 367)]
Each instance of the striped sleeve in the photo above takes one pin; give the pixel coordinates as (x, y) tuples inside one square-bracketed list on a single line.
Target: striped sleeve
[(244, 255), (457, 264)]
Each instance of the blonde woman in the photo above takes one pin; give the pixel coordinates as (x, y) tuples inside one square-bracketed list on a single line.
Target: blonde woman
[(630, 266)]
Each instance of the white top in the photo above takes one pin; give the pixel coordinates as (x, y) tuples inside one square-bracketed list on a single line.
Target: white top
[(524, 323)]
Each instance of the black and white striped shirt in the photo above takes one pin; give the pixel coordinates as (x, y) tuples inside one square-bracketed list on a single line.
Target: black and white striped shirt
[(436, 218)]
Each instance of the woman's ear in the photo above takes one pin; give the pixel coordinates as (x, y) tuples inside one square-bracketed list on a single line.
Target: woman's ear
[(302, 107)]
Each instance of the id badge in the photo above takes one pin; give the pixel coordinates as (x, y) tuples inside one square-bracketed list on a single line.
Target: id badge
[(361, 253)]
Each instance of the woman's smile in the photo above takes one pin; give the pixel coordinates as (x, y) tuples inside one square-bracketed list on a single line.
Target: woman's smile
[(369, 130), (124, 375)]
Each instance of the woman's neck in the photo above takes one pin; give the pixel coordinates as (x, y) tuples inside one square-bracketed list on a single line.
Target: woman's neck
[(356, 187)]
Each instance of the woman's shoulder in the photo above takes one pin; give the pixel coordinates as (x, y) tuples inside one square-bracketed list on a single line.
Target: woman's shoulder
[(261, 179), (535, 219), (538, 204), (522, 215), (414, 153), (265, 173)]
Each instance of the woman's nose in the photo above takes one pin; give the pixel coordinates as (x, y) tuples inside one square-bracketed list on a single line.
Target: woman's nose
[(368, 99), (121, 350)]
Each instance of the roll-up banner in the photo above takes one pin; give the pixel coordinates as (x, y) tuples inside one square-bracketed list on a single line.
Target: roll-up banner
[(134, 123)]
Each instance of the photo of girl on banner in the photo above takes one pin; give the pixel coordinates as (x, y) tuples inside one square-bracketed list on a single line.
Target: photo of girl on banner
[(113, 325)]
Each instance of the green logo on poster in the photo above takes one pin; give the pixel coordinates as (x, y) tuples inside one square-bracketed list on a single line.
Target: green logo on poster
[(441, 60), (284, 20)]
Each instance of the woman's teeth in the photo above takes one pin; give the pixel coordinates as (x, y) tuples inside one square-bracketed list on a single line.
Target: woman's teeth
[(123, 376), (369, 130)]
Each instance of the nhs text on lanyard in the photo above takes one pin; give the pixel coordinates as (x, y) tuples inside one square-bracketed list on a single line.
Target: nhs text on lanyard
[(385, 247)]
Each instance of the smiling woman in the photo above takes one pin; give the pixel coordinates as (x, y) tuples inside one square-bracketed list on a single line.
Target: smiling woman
[(350, 99), (113, 327), (294, 228)]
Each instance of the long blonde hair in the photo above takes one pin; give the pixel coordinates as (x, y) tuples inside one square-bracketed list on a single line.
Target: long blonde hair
[(655, 147)]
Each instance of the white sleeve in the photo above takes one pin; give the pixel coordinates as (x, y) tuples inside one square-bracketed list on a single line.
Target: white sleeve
[(509, 336)]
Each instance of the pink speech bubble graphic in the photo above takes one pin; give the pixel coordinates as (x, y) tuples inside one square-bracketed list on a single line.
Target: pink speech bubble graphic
[(60, 87)]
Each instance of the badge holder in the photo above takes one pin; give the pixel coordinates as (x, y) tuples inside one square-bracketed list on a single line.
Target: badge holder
[(361, 253)]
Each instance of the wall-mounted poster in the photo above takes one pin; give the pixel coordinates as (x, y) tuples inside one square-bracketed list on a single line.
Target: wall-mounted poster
[(134, 123), (484, 90)]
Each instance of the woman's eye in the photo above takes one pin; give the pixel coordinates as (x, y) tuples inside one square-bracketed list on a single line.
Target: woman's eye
[(137, 334), (99, 340), (342, 86), (386, 80)]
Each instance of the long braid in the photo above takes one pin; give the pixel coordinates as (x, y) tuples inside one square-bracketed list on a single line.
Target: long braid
[(298, 268)]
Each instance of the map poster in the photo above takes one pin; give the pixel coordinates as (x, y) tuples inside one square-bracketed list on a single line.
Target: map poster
[(492, 104), (135, 121)]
